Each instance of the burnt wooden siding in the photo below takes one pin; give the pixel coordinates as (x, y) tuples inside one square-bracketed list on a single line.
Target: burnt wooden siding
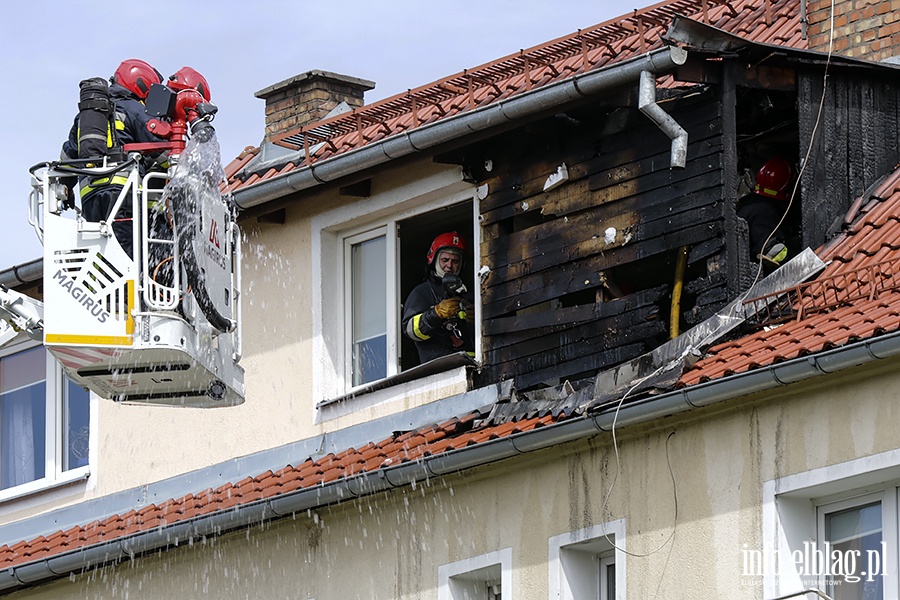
[(854, 142), (549, 308)]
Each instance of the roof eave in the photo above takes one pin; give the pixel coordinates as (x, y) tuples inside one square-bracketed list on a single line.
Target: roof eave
[(697, 37), (603, 420), (516, 108), (23, 274)]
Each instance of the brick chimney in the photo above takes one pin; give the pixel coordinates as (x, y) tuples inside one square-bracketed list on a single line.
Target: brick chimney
[(308, 97), (866, 29)]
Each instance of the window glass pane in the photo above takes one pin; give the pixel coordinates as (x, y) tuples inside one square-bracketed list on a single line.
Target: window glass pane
[(855, 538), (23, 403), (610, 586), (78, 418), (368, 265)]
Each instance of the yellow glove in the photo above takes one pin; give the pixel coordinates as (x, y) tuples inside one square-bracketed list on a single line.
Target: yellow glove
[(466, 312), (777, 253), (447, 309)]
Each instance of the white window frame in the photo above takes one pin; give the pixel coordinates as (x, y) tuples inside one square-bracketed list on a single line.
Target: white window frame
[(56, 386), (791, 516), (330, 323), (577, 561), (389, 231), (886, 498), (607, 560), (456, 579)]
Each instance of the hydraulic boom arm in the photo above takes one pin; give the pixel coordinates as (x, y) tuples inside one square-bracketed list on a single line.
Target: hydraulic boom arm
[(22, 313)]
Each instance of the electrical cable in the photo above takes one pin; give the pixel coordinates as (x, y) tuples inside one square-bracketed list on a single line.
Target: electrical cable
[(609, 491), (612, 485), (812, 138)]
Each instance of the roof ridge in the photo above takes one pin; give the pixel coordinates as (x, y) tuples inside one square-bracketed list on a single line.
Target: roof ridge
[(528, 64)]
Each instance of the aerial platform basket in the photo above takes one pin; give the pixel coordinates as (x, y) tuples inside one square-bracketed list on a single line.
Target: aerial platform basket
[(161, 328)]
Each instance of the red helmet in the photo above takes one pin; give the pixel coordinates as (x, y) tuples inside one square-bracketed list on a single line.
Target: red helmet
[(136, 76), (774, 178), (450, 240), (187, 78)]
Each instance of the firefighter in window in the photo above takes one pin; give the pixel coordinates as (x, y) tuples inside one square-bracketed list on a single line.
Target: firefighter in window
[(108, 118), (765, 210), (439, 314)]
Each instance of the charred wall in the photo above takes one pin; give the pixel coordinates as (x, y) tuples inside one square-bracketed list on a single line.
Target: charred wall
[(581, 275), (852, 143)]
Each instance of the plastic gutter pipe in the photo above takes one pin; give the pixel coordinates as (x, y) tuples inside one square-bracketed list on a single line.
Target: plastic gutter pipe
[(750, 382), (408, 474), (22, 274), (677, 288), (647, 104), (445, 130)]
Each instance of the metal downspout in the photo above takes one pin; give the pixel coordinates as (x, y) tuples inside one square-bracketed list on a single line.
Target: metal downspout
[(647, 104)]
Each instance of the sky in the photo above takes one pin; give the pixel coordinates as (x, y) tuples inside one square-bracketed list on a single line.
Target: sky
[(241, 48)]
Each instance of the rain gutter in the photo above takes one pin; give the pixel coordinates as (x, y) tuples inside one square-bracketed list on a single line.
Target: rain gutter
[(409, 474), (23, 274), (446, 130)]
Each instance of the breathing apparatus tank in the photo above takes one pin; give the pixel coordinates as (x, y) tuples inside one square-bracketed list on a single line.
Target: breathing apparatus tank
[(95, 118)]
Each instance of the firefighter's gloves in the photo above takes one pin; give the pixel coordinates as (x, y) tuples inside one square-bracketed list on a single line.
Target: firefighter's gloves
[(776, 254), (466, 312), (455, 308), (447, 308)]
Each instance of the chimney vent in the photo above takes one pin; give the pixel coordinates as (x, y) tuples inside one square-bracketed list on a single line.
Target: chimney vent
[(307, 98)]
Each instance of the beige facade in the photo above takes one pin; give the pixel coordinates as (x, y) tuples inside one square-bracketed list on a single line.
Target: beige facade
[(288, 321), (708, 502), (687, 538)]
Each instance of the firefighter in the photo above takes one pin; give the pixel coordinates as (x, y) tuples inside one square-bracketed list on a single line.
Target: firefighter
[(439, 313), (128, 89), (187, 78), (161, 258), (765, 209)]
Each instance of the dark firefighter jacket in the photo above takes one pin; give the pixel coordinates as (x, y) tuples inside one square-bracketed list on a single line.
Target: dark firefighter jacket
[(98, 194), (130, 124), (428, 330), (762, 215)]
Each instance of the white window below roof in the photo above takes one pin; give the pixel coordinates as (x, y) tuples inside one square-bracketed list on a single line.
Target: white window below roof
[(485, 577), (834, 529), (370, 324), (853, 545), (45, 423), (367, 256), (588, 563)]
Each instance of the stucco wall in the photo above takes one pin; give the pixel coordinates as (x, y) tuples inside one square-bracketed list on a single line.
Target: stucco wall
[(137, 444), (391, 545)]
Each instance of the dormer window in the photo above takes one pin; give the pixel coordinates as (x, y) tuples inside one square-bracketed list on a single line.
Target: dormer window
[(373, 254)]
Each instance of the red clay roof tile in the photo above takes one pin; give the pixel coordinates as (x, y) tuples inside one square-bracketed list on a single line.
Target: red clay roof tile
[(765, 21), (612, 41)]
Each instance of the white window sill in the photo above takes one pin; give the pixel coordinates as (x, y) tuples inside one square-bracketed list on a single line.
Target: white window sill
[(43, 485), (419, 380), (438, 365)]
